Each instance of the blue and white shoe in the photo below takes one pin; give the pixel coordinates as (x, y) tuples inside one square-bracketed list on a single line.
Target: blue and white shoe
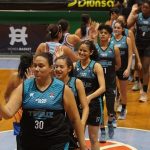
[(110, 131), (114, 122), (103, 137), (123, 114)]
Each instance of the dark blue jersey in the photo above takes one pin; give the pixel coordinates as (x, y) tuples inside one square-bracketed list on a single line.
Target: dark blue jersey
[(43, 112), (143, 29), (123, 47), (126, 32), (72, 84), (107, 59), (87, 76)]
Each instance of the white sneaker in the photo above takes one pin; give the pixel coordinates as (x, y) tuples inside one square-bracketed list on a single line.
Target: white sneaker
[(136, 86), (143, 97), (119, 108)]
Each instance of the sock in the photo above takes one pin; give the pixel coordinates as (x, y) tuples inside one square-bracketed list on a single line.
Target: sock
[(145, 87), (102, 129), (137, 79), (123, 106)]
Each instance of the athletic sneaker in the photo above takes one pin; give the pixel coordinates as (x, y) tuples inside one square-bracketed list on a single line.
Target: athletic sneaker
[(110, 131), (119, 108), (114, 122), (123, 114), (136, 86), (143, 97), (103, 137)]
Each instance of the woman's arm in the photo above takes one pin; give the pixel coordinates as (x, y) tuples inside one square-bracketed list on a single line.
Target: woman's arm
[(83, 101), (69, 53), (117, 58), (9, 109), (101, 81), (127, 71), (73, 114), (132, 37), (41, 48), (132, 16), (10, 86)]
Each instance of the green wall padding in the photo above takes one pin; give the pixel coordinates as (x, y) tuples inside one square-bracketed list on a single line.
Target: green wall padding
[(46, 17)]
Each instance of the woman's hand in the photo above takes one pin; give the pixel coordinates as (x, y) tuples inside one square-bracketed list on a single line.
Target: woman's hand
[(126, 73), (29, 73)]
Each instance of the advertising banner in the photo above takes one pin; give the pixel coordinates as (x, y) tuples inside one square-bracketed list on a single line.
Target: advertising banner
[(21, 38)]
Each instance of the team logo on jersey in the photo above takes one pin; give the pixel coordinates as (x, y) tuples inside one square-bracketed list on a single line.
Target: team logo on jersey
[(18, 35), (51, 95), (31, 94), (41, 100)]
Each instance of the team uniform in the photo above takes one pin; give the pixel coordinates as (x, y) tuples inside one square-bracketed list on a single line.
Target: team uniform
[(65, 41), (90, 81), (43, 123), (123, 47), (143, 35), (107, 59), (54, 48), (73, 140)]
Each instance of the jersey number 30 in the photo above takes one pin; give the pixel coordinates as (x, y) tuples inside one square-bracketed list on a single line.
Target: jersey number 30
[(39, 124)]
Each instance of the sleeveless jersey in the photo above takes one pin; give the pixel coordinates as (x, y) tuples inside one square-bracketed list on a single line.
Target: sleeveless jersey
[(87, 76), (43, 112), (72, 84), (123, 47), (54, 48), (126, 31), (107, 59), (65, 42), (143, 29)]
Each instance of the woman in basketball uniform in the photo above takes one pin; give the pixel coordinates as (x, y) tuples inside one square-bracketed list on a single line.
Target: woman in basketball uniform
[(124, 44), (70, 40), (64, 72), (142, 21), (44, 101), (91, 74), (53, 46), (109, 58)]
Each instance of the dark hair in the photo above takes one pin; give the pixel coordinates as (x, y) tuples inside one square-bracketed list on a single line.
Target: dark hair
[(68, 62), (53, 31), (106, 27), (26, 61), (115, 10), (125, 25), (64, 26), (47, 56), (146, 1), (122, 25), (85, 20), (92, 47)]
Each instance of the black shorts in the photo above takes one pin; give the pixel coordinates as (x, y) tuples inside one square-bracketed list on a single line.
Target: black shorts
[(60, 146), (95, 117), (144, 50), (120, 76)]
